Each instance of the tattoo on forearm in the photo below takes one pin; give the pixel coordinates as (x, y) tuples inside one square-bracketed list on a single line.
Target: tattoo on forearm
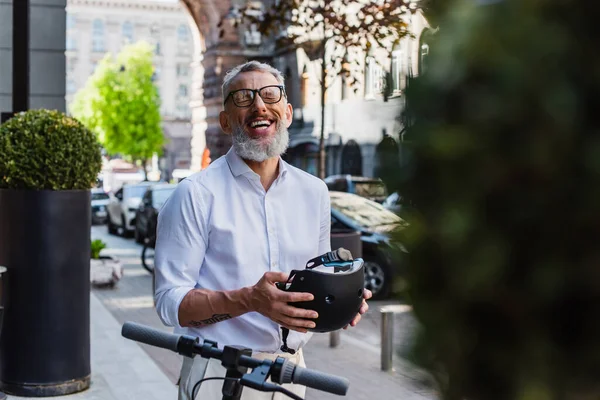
[(213, 320)]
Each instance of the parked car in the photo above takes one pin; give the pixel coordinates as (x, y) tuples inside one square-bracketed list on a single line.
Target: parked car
[(147, 212), (398, 204), (393, 202), (374, 222), (99, 203), (370, 188), (123, 206)]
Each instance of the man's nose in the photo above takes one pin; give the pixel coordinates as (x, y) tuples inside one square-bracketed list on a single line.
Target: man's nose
[(259, 104)]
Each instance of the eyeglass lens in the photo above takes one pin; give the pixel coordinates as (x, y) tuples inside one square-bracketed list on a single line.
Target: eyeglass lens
[(245, 97)]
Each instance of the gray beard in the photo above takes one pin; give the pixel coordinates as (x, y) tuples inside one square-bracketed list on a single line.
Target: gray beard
[(251, 149)]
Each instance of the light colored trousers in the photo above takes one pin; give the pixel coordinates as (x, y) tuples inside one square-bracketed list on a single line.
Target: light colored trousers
[(194, 369)]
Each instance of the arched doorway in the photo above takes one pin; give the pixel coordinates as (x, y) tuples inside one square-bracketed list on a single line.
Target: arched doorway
[(351, 159), (387, 160)]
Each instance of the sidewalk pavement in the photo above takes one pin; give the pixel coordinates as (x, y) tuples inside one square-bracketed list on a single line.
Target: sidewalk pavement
[(121, 370)]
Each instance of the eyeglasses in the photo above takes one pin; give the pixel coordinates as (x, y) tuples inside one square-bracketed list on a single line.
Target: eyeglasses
[(245, 97)]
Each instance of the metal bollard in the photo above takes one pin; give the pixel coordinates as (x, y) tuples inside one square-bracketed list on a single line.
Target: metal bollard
[(334, 339), (387, 336)]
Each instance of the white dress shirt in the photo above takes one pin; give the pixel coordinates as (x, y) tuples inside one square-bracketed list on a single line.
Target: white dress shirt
[(220, 230)]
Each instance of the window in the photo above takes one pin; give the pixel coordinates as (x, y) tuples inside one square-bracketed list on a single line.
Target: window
[(399, 70), (182, 34), (338, 185), (374, 80), (182, 70), (155, 35), (71, 86), (160, 196), (183, 38), (71, 63), (183, 91), (71, 21), (183, 111), (71, 42), (100, 196), (362, 212), (252, 36), (98, 36), (370, 189), (127, 32), (130, 191)]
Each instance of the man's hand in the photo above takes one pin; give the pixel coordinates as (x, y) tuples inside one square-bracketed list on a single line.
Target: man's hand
[(271, 302), (363, 309)]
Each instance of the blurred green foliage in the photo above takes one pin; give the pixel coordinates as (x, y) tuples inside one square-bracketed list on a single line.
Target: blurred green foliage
[(120, 103), (47, 150), (503, 168), (96, 247)]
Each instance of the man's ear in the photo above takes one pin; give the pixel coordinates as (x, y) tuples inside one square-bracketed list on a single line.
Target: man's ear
[(224, 121), (289, 112)]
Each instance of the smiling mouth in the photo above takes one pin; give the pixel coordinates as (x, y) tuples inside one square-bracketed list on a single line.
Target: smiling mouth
[(259, 125)]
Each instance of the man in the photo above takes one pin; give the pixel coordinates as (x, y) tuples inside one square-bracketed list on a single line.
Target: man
[(230, 232)]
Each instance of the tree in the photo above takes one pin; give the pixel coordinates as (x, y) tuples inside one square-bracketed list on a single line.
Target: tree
[(338, 32), (504, 176), (121, 104)]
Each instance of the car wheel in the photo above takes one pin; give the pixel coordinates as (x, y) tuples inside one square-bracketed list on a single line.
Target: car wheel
[(121, 231), (377, 278), (112, 229)]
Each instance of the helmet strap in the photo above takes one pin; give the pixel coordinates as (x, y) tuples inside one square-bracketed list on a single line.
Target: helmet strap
[(340, 254)]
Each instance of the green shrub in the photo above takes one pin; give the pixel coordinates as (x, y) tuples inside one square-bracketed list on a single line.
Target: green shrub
[(97, 246), (47, 150), (504, 172)]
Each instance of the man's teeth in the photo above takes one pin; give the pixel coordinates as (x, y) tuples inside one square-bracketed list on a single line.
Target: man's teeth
[(264, 123)]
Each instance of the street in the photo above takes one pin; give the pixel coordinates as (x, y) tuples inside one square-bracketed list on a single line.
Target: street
[(357, 357)]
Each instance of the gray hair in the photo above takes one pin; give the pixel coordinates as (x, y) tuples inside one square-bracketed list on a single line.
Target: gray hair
[(249, 67)]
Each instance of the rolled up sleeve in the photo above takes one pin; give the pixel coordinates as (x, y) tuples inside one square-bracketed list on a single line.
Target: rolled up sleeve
[(181, 244)]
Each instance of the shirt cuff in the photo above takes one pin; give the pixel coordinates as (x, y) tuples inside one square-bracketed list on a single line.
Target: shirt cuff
[(168, 302)]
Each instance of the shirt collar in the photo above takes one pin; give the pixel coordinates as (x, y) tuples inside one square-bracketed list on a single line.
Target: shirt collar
[(236, 164), (239, 167)]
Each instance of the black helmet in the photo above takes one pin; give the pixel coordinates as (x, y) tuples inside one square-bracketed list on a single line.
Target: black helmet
[(337, 281)]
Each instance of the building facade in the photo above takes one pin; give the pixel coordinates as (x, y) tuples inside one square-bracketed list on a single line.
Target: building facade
[(46, 55), (360, 119), (95, 27), (192, 55)]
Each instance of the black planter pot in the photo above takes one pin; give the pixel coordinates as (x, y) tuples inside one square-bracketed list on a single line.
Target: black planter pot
[(45, 245)]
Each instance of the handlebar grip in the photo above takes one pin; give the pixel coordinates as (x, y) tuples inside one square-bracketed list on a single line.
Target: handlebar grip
[(151, 336), (292, 373)]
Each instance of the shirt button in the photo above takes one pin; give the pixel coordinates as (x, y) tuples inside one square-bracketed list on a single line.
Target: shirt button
[(273, 264)]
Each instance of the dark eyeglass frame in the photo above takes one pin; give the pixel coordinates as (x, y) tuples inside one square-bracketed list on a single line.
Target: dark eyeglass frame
[(257, 92)]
